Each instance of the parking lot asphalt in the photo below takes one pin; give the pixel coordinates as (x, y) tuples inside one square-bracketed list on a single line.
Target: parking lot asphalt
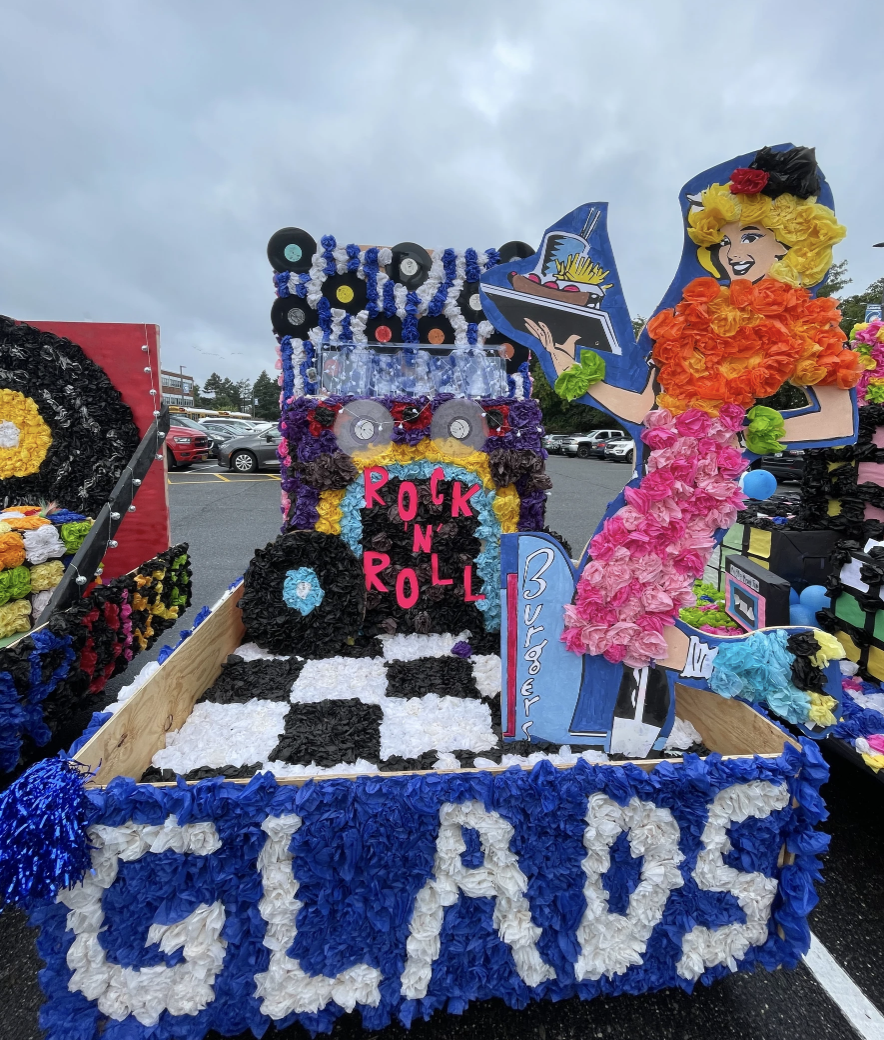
[(224, 520), (582, 489)]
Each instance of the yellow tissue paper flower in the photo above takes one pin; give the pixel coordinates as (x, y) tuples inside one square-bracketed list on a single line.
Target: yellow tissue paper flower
[(506, 508), (329, 509), (875, 762), (432, 451), (820, 712), (830, 650), (46, 575), (24, 436), (15, 617)]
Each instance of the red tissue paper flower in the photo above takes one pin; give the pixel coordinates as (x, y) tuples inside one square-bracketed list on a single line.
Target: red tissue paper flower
[(748, 182)]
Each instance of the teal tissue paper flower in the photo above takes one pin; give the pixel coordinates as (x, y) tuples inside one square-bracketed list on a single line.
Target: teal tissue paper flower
[(301, 590)]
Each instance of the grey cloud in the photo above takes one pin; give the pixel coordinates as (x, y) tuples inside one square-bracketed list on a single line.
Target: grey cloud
[(151, 149)]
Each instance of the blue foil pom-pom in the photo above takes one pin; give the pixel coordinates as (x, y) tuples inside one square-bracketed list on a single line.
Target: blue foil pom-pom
[(43, 842)]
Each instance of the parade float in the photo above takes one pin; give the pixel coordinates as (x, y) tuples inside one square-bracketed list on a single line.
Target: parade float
[(420, 756)]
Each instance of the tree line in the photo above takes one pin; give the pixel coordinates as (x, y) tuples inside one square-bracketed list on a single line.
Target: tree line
[(224, 394)]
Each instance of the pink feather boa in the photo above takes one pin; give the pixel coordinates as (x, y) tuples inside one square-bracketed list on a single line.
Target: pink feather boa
[(648, 554)]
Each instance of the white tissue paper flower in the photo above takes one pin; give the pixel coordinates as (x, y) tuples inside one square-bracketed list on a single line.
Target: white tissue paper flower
[(682, 736), (42, 544), (217, 735)]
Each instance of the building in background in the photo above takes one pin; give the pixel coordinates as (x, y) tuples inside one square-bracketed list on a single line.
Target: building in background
[(177, 388)]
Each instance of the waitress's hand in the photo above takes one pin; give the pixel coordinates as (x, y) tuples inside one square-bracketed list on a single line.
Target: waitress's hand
[(563, 354)]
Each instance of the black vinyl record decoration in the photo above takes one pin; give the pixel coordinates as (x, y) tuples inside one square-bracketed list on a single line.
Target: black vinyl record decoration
[(383, 330), (470, 302), (515, 250), (364, 427), (67, 434), (291, 249), (346, 291), (435, 331), (516, 354), (303, 594), (292, 316), (410, 265)]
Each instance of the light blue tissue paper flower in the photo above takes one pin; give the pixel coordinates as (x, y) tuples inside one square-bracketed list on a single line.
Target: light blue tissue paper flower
[(301, 590)]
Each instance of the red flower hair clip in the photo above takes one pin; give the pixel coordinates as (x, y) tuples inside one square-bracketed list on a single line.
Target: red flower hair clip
[(748, 182)]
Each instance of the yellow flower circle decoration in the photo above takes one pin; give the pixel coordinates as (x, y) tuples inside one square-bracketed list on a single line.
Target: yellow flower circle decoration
[(24, 436)]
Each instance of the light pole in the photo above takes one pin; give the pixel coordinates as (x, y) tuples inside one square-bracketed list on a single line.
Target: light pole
[(872, 307)]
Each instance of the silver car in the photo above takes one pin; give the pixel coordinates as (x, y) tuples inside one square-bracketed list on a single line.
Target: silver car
[(250, 452)]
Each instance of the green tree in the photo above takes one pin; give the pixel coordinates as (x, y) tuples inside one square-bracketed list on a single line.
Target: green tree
[(560, 416), (853, 308), (638, 324), (838, 278), (266, 392), (219, 396)]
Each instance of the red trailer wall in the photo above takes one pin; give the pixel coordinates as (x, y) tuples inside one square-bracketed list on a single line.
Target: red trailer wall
[(117, 348)]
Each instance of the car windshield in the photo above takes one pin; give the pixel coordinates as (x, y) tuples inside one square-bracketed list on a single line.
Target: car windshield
[(181, 420)]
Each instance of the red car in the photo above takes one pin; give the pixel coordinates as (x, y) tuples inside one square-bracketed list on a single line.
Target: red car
[(185, 446)]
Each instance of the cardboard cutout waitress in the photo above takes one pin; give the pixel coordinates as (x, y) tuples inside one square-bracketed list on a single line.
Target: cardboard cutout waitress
[(739, 320)]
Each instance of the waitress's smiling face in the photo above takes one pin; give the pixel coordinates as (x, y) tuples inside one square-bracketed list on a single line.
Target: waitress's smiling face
[(748, 251)]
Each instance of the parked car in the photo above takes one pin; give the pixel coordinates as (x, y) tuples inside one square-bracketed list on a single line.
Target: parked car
[(214, 437), (620, 450), (250, 452), (236, 426), (184, 446), (785, 465), (553, 443), (592, 445)]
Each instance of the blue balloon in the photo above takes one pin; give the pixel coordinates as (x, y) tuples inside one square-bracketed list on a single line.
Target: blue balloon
[(759, 484), (793, 597), (814, 598), (801, 615)]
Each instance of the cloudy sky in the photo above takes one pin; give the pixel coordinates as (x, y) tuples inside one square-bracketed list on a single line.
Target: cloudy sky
[(150, 149)]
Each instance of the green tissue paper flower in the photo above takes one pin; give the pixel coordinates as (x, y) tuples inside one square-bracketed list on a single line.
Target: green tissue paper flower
[(74, 534), (766, 427), (15, 583), (576, 380)]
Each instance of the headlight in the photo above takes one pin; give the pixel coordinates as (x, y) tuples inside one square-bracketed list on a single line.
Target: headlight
[(183, 440)]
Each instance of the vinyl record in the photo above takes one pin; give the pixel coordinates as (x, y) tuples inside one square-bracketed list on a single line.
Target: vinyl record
[(410, 265), (515, 354), (303, 594), (364, 427), (291, 249), (68, 434), (291, 316), (346, 291), (383, 330), (470, 302), (515, 250), (435, 331), (461, 425)]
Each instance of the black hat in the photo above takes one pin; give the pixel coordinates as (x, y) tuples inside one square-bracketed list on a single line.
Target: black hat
[(793, 172)]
